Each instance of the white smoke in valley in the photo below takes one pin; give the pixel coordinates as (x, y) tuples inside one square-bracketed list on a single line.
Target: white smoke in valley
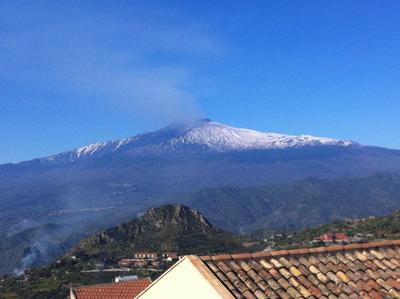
[(38, 251), (79, 211)]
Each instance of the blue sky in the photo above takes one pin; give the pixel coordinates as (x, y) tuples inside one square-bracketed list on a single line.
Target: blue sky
[(78, 72)]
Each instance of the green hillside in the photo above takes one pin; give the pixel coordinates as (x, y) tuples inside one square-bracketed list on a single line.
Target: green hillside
[(366, 229), (293, 206)]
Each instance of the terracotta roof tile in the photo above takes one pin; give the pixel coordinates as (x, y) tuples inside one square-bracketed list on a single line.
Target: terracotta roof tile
[(270, 293), (265, 264), (232, 276), (248, 295), (234, 266), (259, 294), (315, 291), (295, 271), (206, 258), (254, 265), (394, 293), (275, 273), (284, 262), (304, 270), (223, 267), (370, 270), (389, 264), (120, 290), (264, 274), (263, 285), (253, 274), (282, 294), (245, 266)]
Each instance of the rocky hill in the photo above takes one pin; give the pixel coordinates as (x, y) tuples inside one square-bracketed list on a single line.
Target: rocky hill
[(175, 228)]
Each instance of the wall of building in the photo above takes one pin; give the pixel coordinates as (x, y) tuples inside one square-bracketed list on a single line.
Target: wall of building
[(71, 294), (183, 281)]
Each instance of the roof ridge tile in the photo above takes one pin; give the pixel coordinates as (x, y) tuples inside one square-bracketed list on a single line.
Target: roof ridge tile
[(220, 257), (300, 251)]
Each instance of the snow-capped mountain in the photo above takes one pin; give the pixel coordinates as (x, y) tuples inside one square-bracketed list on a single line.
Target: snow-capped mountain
[(203, 134), (221, 137)]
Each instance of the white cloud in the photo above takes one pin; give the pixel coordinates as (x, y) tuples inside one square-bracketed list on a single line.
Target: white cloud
[(129, 57)]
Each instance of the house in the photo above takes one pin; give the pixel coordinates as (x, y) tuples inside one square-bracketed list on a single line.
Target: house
[(126, 262), (146, 255), (99, 265), (155, 263), (170, 255), (118, 290), (126, 278), (140, 263), (333, 238), (370, 270)]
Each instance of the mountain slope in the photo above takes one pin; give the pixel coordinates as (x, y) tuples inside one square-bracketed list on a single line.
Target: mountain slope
[(366, 229), (163, 229), (374, 228), (300, 204)]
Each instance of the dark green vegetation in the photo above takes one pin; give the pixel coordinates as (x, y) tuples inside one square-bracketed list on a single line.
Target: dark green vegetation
[(167, 228), (297, 205)]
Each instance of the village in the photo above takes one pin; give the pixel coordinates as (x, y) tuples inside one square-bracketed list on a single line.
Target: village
[(148, 260), (290, 240), (143, 260)]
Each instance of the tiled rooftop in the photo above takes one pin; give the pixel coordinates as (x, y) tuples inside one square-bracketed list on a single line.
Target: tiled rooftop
[(370, 270), (117, 290)]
